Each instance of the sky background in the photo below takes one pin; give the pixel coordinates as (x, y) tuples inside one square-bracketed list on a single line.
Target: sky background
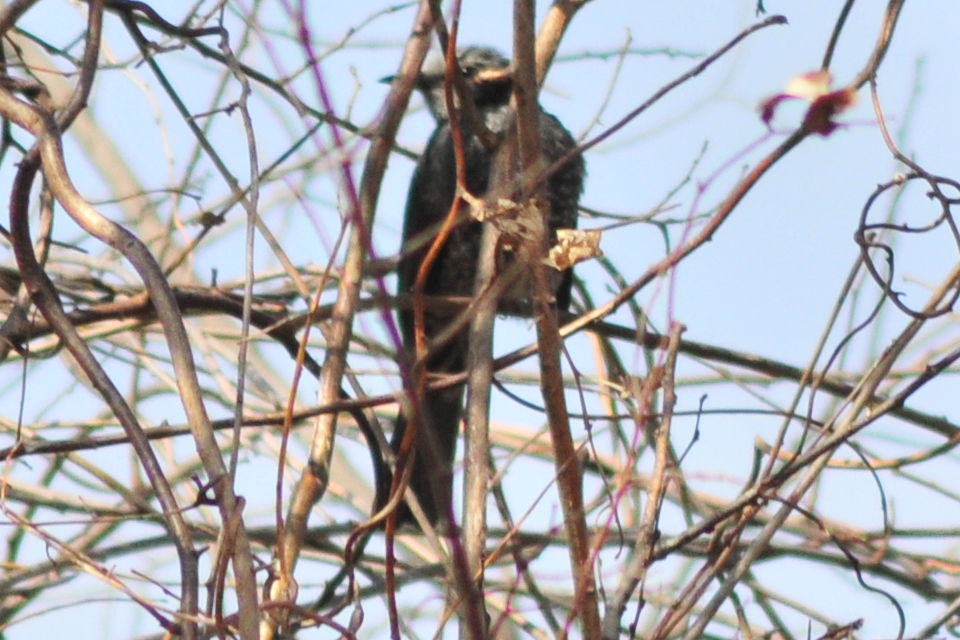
[(765, 284)]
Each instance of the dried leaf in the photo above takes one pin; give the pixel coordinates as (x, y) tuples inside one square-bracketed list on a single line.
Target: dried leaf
[(519, 224), (825, 104), (573, 246)]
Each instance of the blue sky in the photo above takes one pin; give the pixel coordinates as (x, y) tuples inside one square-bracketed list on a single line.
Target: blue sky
[(765, 284)]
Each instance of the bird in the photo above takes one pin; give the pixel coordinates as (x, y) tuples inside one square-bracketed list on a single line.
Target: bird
[(431, 194)]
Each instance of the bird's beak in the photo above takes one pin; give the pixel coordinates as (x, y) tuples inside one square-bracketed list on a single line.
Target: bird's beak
[(494, 76), (387, 79)]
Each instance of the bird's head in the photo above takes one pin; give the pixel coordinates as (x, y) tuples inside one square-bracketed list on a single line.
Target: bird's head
[(487, 74)]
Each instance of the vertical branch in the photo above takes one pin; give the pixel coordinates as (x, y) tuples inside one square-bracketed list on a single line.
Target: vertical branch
[(249, 244), (476, 480), (569, 479), (887, 27), (313, 481), (649, 532), (558, 18), (467, 558)]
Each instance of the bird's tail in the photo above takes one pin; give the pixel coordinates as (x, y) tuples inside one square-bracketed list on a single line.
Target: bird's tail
[(439, 413)]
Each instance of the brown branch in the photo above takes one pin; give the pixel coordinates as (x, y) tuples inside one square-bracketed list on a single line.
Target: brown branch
[(558, 18), (312, 482), (283, 327), (480, 371), (890, 16), (48, 150), (649, 534), (568, 472)]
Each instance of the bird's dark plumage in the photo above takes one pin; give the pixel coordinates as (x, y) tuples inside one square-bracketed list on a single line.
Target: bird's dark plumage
[(432, 191)]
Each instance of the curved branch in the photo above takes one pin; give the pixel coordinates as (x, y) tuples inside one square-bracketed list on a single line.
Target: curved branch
[(42, 126)]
